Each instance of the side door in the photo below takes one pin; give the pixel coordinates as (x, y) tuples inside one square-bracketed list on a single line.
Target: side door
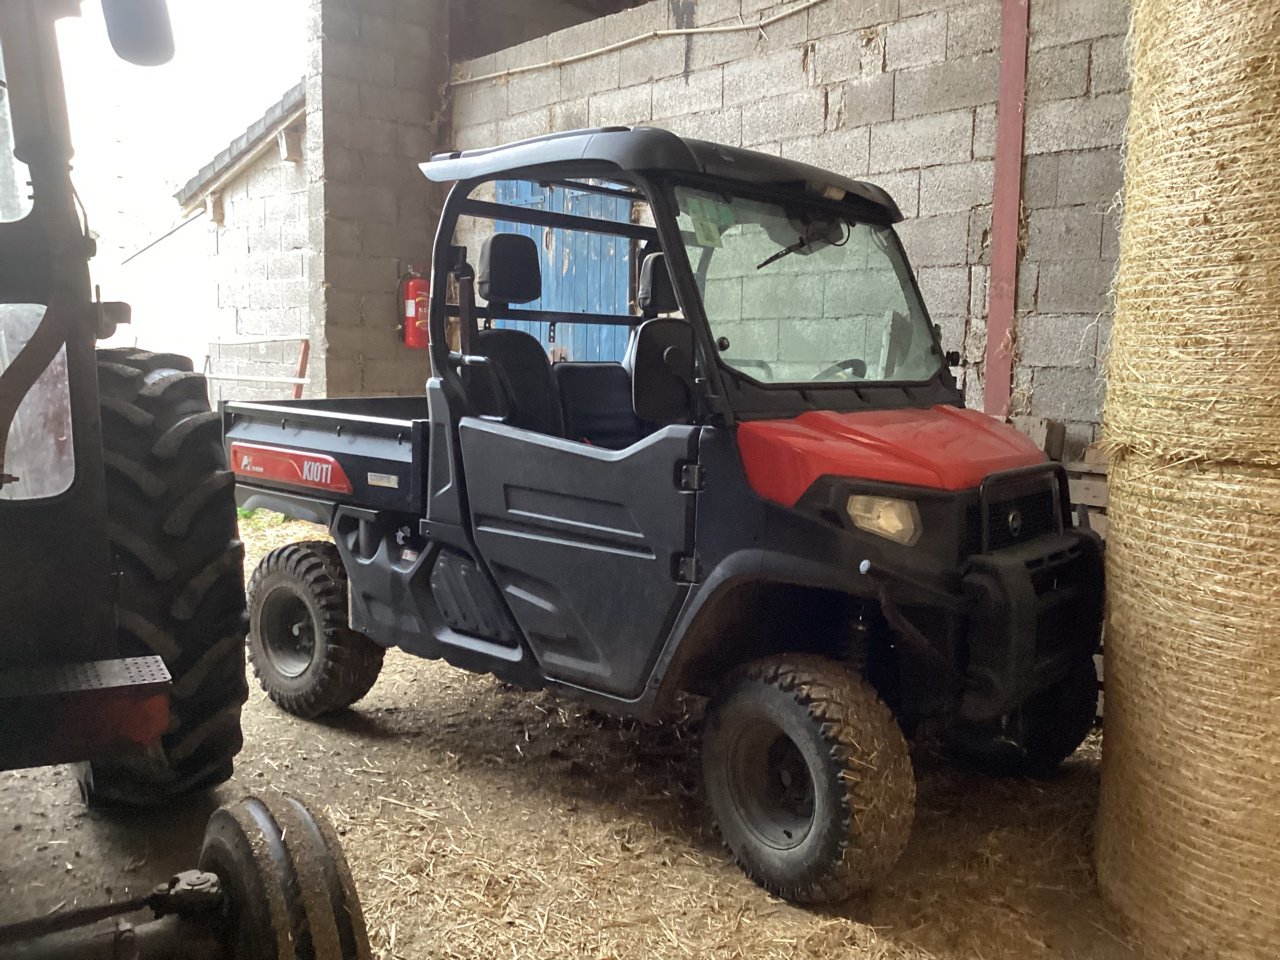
[(591, 548)]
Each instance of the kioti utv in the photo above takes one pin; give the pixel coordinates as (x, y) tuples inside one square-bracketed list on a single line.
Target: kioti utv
[(749, 476), (120, 573)]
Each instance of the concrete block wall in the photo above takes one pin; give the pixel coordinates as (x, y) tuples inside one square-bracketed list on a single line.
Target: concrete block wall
[(898, 92), (375, 94), (258, 258)]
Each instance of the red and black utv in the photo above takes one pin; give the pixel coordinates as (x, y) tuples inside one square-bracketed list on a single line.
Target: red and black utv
[(749, 477)]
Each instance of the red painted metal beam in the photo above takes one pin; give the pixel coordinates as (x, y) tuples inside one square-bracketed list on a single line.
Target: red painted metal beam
[(1011, 101)]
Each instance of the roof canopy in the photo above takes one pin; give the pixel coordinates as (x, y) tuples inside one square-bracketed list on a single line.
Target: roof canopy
[(645, 149)]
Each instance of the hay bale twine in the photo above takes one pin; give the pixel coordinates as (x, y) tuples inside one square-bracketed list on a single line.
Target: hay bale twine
[(1189, 827)]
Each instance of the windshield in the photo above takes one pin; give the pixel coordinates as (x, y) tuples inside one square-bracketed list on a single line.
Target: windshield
[(804, 295)]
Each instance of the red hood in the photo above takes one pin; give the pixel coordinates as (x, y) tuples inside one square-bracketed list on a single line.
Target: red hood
[(941, 447)]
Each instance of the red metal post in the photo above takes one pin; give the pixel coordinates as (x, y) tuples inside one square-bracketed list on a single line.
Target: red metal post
[(1011, 100), (303, 361)]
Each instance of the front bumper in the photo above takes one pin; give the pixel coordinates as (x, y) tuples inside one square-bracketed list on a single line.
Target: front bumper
[(1034, 611)]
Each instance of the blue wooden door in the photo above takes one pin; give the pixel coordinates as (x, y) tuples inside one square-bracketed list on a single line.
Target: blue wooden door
[(581, 272)]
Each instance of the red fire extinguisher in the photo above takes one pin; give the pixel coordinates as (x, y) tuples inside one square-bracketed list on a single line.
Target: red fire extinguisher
[(415, 293)]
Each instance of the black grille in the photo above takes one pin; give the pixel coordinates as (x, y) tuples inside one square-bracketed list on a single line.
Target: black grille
[(1014, 520)]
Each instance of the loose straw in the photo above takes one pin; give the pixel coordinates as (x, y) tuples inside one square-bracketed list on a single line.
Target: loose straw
[(759, 25), (1188, 842)]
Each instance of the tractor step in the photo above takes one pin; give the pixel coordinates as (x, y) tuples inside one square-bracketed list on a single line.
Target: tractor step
[(68, 712)]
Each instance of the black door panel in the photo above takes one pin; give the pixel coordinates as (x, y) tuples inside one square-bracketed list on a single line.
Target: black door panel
[(584, 544)]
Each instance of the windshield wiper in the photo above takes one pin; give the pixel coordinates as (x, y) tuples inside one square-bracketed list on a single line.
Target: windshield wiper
[(785, 252)]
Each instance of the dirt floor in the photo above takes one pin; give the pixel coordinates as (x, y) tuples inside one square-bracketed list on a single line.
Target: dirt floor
[(485, 822)]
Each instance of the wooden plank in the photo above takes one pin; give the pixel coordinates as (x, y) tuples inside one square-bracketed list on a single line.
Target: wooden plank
[(1091, 491), (1094, 453), (1049, 435), (1080, 466)]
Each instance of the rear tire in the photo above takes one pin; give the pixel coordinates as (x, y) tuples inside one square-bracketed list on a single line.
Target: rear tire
[(307, 658), (1043, 732), (809, 778), (171, 519)]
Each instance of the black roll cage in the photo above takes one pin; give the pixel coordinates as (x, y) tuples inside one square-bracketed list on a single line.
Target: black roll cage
[(729, 395)]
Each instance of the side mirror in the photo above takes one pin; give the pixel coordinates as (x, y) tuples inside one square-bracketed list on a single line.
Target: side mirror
[(139, 30), (662, 370)]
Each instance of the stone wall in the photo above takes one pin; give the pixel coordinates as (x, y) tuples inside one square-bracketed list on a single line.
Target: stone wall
[(899, 92), (375, 94), (258, 261)]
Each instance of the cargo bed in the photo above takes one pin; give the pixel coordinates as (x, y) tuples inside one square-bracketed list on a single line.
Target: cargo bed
[(314, 454)]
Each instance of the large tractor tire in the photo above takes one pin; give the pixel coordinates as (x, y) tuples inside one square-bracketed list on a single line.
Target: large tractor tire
[(171, 520), (809, 778), (304, 653)]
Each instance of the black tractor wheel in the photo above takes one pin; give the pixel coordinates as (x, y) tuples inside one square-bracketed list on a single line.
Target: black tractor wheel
[(1035, 739), (171, 519), (308, 660), (808, 777), (290, 894)]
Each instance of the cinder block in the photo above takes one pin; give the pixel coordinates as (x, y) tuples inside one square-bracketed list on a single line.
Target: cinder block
[(1067, 21), (792, 115), (528, 91), (1108, 66), (591, 76), (904, 187), (361, 274), (1067, 393), (1058, 73), (629, 105), (847, 56), (1064, 233), (945, 290), (705, 13), (355, 61), (476, 135), (841, 151), (689, 94), (1093, 177), (636, 21), (1058, 340), (718, 126), (979, 246), (358, 201), (973, 28), (381, 35), (777, 73), (979, 300), (1111, 235), (984, 132), (1040, 181), (841, 16), (523, 126), (955, 187), (936, 241), (868, 99), (284, 266), (1079, 124), (580, 38), (922, 141), (715, 49), (1074, 286), (652, 60), (570, 115), (945, 86), (916, 41)]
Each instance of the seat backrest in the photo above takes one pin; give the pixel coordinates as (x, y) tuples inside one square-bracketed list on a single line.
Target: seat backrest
[(596, 398), (519, 358), (510, 273), (655, 293)]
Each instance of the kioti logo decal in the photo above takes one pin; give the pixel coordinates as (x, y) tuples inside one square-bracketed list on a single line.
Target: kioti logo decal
[(298, 468)]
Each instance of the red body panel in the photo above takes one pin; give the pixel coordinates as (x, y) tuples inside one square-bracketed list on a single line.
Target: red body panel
[(298, 468), (941, 447)]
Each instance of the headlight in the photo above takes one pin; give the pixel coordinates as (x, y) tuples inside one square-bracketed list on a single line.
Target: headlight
[(896, 520)]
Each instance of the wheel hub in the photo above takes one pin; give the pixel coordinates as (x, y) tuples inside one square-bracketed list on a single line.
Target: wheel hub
[(772, 785), (288, 632)]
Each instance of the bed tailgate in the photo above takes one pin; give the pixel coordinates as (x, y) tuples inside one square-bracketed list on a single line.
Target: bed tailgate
[(365, 461)]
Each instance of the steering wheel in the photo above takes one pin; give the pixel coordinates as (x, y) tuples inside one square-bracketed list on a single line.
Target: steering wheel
[(855, 367)]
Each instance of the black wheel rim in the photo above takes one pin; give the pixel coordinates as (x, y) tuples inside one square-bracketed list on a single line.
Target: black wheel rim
[(288, 632), (771, 785)]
